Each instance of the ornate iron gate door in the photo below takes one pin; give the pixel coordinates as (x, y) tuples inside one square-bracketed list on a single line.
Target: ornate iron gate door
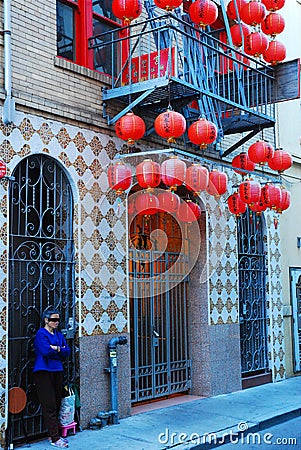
[(252, 294), (41, 266), (158, 316), (295, 276)]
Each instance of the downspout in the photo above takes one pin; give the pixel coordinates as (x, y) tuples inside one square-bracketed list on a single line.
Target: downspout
[(9, 104)]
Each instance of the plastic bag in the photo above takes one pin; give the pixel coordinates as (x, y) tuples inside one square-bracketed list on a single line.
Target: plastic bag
[(67, 410)]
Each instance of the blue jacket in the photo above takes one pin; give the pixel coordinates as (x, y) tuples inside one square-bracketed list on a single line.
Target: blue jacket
[(47, 358)]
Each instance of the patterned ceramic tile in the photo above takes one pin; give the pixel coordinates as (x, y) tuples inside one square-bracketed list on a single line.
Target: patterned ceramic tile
[(100, 236)]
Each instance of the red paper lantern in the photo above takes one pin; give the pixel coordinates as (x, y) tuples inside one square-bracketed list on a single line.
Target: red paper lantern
[(202, 132), (197, 178), (168, 201), (256, 43), (188, 211), (231, 10), (253, 12), (275, 53), (281, 160), (236, 205), (218, 183), (273, 24), (203, 12), (261, 152), (168, 5), (170, 125), (250, 191), (130, 128), (242, 161), (119, 177), (273, 5), (146, 203), (173, 172), (259, 206), (2, 169), (271, 195), (237, 31), (127, 10), (148, 174), (285, 200)]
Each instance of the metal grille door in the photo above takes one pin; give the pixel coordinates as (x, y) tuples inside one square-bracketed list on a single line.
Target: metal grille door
[(252, 294), (41, 264), (158, 313), (295, 274)]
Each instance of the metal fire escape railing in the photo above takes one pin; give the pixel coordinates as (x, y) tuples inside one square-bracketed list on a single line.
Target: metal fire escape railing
[(165, 59)]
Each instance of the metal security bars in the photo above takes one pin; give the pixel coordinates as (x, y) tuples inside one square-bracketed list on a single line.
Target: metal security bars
[(160, 363), (41, 273), (252, 294)]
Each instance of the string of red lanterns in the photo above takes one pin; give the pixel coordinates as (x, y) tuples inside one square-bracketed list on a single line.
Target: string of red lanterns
[(260, 14), (173, 173), (170, 125)]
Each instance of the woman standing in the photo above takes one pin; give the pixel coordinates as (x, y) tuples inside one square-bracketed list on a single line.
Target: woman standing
[(50, 349)]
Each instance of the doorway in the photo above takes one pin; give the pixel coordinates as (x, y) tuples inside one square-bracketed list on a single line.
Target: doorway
[(252, 299), (41, 274), (158, 281), (295, 277)]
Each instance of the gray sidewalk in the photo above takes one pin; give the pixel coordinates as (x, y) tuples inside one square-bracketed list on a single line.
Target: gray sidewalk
[(188, 425)]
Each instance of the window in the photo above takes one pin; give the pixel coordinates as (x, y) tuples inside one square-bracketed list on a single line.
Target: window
[(79, 20), (65, 31)]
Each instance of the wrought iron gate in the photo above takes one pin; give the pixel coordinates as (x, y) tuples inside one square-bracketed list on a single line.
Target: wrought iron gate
[(252, 294), (41, 266), (295, 277), (158, 312)]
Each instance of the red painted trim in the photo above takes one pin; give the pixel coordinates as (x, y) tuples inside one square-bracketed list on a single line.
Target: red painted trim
[(84, 30)]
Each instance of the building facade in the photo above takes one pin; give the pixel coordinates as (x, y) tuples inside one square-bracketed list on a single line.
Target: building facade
[(205, 318)]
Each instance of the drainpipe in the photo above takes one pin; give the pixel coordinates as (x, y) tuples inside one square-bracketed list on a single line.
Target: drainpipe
[(9, 104), (112, 370)]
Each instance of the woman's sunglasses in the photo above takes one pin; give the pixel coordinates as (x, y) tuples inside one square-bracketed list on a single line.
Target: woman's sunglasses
[(53, 320)]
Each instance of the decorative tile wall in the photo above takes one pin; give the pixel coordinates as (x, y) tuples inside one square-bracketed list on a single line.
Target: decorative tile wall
[(223, 276), (100, 238), (275, 318)]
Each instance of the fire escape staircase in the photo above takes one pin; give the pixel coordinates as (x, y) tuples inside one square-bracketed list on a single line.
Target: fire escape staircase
[(165, 60)]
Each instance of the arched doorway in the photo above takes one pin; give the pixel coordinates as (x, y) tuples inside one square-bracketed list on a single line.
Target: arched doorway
[(41, 273), (162, 251), (252, 266)]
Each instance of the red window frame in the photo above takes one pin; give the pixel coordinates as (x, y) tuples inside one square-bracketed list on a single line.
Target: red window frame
[(83, 26)]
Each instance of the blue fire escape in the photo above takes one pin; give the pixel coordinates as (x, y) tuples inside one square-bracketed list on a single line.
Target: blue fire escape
[(165, 61)]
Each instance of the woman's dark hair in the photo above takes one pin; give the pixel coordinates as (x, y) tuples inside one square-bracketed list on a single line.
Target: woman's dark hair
[(48, 312)]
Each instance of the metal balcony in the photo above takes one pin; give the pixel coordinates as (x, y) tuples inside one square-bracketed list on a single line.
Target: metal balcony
[(165, 60)]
